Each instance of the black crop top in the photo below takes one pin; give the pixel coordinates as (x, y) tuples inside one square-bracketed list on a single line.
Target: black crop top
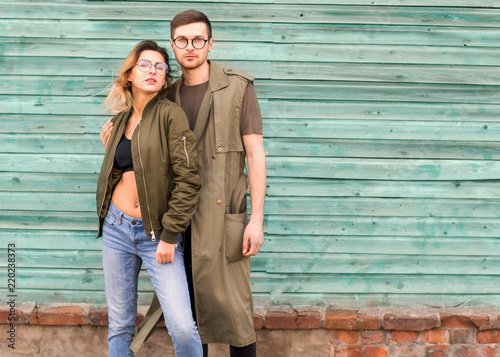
[(123, 155)]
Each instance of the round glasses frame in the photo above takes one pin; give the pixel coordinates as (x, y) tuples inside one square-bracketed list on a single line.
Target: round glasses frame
[(197, 43), (145, 65)]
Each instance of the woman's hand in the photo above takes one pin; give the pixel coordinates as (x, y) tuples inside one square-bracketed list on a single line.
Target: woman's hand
[(106, 133), (165, 252)]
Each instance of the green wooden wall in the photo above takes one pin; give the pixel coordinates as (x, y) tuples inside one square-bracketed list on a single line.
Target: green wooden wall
[(381, 120)]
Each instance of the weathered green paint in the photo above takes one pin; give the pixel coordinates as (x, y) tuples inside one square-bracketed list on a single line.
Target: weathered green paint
[(381, 125)]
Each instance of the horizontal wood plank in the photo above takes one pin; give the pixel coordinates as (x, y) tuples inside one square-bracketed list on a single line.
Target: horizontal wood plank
[(52, 239), (384, 226), (62, 220), (297, 187), (46, 182), (314, 147), (457, 247), (281, 109), (426, 3), (50, 143), (321, 263), (48, 201), (378, 207), (330, 14), (51, 124), (378, 34), (54, 163), (376, 129), (379, 169), (278, 284)]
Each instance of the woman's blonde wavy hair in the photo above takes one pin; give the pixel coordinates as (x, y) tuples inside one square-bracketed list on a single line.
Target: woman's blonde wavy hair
[(120, 97)]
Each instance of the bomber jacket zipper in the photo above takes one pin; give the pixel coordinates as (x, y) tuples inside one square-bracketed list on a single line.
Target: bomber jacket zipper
[(183, 139), (152, 232)]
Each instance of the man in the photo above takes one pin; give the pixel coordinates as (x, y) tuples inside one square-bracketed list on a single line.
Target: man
[(223, 112)]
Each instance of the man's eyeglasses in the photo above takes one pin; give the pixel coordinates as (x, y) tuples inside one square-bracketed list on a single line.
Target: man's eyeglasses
[(181, 42), (145, 65)]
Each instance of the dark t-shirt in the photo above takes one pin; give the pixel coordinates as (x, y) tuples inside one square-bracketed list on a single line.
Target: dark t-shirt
[(251, 117)]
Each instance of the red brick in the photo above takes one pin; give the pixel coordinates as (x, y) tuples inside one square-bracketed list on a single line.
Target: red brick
[(276, 320), (373, 337), (409, 323), (341, 319), (17, 317), (140, 318), (308, 320), (436, 351), (367, 323), (462, 336), (488, 351), (98, 317), (488, 336), (482, 322), (258, 322), (34, 316), (350, 320), (456, 321), (361, 351), (346, 336), (407, 350), (404, 336), (474, 351), (71, 315), (433, 336)]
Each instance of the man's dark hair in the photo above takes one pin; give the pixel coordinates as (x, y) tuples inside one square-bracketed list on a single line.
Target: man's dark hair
[(189, 17)]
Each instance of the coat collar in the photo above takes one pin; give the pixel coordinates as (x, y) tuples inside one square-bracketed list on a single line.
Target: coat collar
[(217, 81)]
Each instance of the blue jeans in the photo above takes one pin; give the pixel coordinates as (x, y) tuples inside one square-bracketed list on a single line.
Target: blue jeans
[(125, 246)]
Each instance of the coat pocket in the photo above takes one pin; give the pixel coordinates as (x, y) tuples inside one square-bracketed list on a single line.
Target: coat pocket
[(236, 221), (235, 224)]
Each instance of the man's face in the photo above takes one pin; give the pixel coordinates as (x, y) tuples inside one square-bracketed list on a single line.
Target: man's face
[(190, 57)]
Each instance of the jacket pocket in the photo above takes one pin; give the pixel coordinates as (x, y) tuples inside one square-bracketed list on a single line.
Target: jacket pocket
[(236, 221), (235, 224)]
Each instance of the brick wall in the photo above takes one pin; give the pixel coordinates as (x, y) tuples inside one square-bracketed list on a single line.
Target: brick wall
[(287, 332)]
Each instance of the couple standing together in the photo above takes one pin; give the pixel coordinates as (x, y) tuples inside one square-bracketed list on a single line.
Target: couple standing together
[(172, 195)]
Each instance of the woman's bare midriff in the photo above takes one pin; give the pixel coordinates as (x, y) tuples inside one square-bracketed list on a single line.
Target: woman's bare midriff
[(125, 195)]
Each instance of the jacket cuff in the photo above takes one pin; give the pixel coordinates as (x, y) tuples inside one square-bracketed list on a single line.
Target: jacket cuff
[(169, 237)]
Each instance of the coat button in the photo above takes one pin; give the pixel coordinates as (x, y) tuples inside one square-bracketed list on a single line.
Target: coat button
[(214, 156), (219, 202), (219, 149)]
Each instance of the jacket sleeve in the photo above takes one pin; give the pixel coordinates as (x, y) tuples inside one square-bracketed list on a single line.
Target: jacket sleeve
[(182, 146)]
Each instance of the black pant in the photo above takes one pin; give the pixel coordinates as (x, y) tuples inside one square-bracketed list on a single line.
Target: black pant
[(246, 351)]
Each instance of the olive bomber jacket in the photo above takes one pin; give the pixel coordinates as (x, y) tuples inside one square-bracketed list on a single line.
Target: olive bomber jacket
[(164, 154)]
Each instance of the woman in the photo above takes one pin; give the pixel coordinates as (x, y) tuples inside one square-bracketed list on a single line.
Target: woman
[(147, 193)]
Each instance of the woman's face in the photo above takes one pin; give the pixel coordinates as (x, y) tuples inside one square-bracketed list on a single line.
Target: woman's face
[(147, 80)]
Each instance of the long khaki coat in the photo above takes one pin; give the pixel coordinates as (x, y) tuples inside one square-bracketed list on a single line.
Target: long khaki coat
[(224, 306)]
